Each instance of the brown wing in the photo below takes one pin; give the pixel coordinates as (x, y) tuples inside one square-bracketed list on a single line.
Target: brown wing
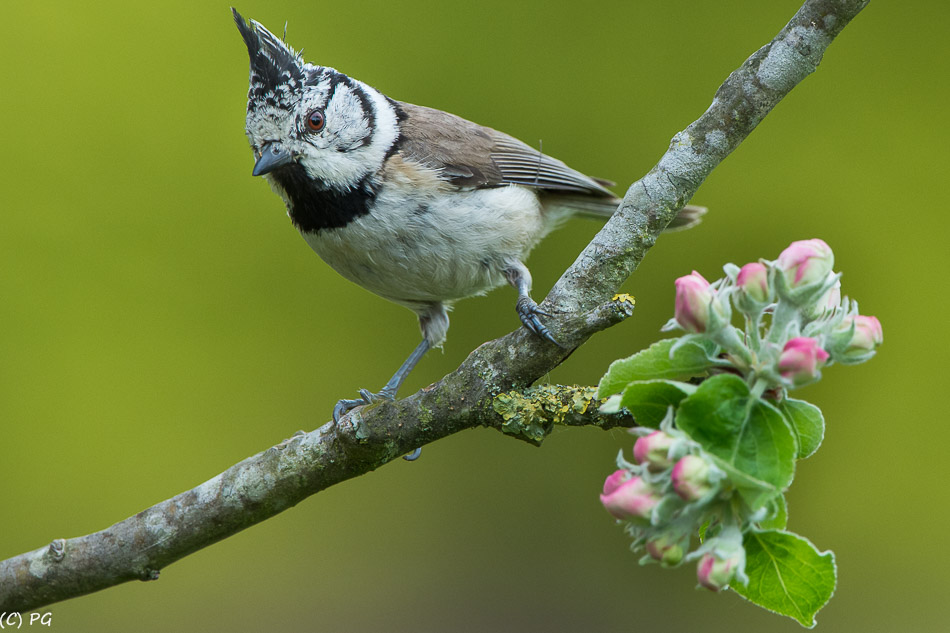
[(472, 155)]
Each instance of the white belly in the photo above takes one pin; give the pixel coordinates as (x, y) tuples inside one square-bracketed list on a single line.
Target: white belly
[(450, 247)]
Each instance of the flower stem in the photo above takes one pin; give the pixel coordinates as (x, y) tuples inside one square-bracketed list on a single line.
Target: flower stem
[(785, 314)]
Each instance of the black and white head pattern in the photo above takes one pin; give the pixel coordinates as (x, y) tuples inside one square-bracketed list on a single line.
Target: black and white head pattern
[(337, 128)]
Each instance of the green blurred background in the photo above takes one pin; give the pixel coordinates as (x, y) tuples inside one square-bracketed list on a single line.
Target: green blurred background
[(160, 319)]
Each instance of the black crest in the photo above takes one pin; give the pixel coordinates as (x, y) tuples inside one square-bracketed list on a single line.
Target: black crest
[(275, 67)]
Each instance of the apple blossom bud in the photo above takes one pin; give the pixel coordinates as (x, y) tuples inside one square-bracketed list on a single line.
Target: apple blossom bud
[(753, 281), (691, 478), (666, 549), (632, 500), (801, 359), (831, 299), (653, 451), (716, 573), (857, 344), (806, 262), (614, 480), (693, 299), (868, 333)]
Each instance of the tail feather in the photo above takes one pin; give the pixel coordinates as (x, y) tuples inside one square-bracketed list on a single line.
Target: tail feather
[(688, 217)]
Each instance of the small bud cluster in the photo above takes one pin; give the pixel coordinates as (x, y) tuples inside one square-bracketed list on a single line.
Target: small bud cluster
[(796, 322), (690, 493), (668, 493)]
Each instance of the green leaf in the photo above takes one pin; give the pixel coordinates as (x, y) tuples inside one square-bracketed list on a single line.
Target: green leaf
[(745, 432), (807, 423), (755, 492), (787, 575), (690, 359), (649, 400)]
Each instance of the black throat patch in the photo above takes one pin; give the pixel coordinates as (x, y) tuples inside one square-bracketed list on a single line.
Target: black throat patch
[(312, 209)]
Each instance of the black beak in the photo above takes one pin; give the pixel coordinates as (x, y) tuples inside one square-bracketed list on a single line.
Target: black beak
[(273, 155)]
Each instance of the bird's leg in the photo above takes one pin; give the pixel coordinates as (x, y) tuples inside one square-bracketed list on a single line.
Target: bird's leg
[(434, 322), (519, 277), (388, 392), (390, 388)]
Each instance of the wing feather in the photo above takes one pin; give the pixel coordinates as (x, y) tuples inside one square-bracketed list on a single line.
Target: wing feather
[(472, 155)]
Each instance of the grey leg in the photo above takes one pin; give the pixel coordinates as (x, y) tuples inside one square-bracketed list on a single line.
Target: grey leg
[(519, 277), (388, 392), (434, 322)]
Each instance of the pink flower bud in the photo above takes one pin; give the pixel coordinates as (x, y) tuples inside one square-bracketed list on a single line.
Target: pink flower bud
[(691, 478), (867, 335), (716, 573), (666, 550), (805, 262), (632, 500), (653, 451), (801, 359), (753, 280), (831, 299), (693, 298), (614, 480)]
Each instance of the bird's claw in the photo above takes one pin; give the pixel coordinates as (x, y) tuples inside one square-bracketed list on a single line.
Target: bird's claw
[(344, 406), (529, 312)]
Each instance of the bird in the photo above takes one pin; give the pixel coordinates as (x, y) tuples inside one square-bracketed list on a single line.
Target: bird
[(414, 204)]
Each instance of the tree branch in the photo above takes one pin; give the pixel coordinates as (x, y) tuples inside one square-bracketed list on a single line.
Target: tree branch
[(489, 389)]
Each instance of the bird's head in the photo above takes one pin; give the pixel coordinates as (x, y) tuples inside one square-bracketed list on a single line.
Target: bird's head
[(311, 121)]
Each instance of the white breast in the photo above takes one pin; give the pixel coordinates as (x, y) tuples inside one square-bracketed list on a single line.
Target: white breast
[(420, 249)]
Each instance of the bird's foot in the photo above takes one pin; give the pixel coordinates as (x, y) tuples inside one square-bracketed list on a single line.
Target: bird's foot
[(529, 312), (344, 406)]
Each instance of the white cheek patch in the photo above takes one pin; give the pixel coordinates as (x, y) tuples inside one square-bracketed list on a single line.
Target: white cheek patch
[(362, 123), (349, 119)]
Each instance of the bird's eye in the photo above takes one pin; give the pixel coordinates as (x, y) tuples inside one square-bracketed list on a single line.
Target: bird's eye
[(315, 120)]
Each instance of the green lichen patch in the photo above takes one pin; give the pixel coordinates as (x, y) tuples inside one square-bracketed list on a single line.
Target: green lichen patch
[(531, 414)]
